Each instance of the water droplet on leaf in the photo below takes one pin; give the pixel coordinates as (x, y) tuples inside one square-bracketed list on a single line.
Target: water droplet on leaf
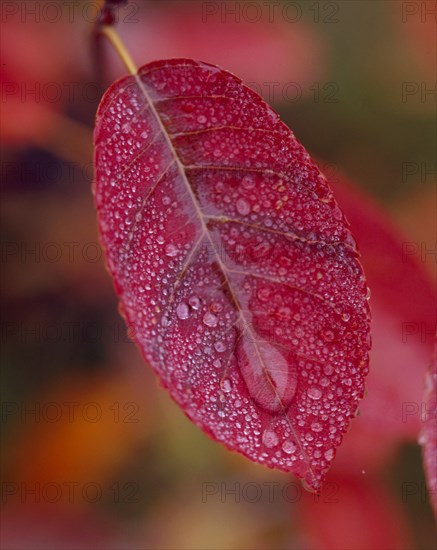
[(314, 393), (243, 207), (269, 438), (226, 385), (171, 250), (210, 319), (183, 311), (288, 447)]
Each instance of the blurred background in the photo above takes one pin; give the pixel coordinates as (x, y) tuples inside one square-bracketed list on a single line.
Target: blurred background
[(94, 453)]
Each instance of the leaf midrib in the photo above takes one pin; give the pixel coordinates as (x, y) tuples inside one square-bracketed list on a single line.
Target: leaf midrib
[(223, 269)]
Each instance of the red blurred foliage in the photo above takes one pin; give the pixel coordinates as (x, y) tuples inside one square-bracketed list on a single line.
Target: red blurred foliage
[(37, 65), (428, 436), (356, 514), (258, 53), (403, 318)]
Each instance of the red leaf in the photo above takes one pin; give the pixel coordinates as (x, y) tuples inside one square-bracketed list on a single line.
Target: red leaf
[(233, 263), (428, 436)]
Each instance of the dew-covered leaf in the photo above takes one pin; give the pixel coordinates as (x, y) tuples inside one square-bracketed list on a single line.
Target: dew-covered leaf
[(234, 265)]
